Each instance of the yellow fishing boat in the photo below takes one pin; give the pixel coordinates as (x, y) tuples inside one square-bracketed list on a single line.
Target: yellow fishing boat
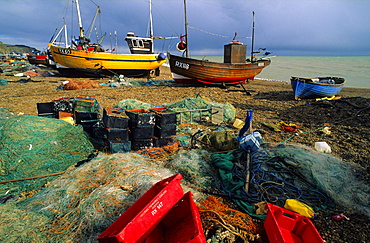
[(90, 60), (83, 57)]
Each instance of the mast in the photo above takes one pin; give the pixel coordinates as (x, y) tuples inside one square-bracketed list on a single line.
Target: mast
[(93, 22), (252, 52), (151, 23), (151, 19), (186, 31), (79, 19)]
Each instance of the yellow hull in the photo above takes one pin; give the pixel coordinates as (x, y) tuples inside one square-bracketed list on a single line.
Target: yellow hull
[(105, 62)]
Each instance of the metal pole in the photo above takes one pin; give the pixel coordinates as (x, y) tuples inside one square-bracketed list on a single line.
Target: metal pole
[(186, 30), (151, 23), (79, 19), (252, 52)]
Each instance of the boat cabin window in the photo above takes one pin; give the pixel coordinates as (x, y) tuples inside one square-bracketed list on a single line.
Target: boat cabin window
[(138, 43)]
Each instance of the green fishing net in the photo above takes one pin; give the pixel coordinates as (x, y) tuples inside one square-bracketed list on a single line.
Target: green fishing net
[(200, 103), (132, 104), (33, 146), (201, 109)]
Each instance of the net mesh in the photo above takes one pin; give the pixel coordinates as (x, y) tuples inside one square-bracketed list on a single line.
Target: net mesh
[(225, 224), (33, 146), (80, 204), (280, 172), (191, 103)]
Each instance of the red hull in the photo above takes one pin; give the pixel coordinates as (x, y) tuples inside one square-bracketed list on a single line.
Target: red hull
[(38, 59)]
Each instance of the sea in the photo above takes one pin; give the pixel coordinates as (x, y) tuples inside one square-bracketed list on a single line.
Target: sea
[(354, 69)]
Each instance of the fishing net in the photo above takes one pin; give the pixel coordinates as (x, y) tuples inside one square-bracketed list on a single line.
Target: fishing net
[(5, 114), (132, 104), (194, 166), (285, 172), (201, 109), (33, 146), (220, 139), (224, 224), (81, 203), (3, 81), (74, 84), (205, 107)]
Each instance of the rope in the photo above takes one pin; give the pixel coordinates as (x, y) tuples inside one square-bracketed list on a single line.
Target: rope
[(210, 33), (31, 178)]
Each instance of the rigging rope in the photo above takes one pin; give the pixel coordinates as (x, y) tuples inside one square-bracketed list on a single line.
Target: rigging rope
[(207, 32)]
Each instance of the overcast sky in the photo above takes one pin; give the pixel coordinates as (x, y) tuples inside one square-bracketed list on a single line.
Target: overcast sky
[(295, 27)]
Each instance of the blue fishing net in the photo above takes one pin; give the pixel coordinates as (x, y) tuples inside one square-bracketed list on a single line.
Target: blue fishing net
[(280, 172)]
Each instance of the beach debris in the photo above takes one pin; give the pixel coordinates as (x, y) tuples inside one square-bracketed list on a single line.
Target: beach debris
[(74, 84), (339, 217), (322, 147), (326, 130), (289, 127), (299, 207), (273, 126)]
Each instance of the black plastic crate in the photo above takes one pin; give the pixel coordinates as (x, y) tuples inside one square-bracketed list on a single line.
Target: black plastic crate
[(63, 105), (141, 118), (115, 118), (142, 132), (119, 147), (48, 115), (85, 117), (141, 144), (88, 126), (47, 108), (164, 116), (159, 142), (165, 131), (98, 131), (115, 134)]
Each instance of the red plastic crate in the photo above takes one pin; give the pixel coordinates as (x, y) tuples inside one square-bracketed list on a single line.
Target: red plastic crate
[(285, 226), (136, 223), (181, 224)]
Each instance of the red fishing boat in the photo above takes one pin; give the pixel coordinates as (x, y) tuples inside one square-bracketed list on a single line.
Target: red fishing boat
[(39, 59)]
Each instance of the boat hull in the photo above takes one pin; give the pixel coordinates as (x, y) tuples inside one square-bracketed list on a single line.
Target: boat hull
[(317, 87), (105, 63), (193, 71), (38, 59)]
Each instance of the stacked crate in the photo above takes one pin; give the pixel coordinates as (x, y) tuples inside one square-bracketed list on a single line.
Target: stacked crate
[(86, 112), (64, 107), (46, 110), (165, 126), (58, 108), (141, 125), (117, 132)]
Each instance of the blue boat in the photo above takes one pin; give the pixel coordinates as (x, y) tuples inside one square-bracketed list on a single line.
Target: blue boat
[(317, 87)]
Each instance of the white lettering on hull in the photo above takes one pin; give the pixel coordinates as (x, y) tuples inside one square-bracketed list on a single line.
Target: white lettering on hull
[(182, 65)]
